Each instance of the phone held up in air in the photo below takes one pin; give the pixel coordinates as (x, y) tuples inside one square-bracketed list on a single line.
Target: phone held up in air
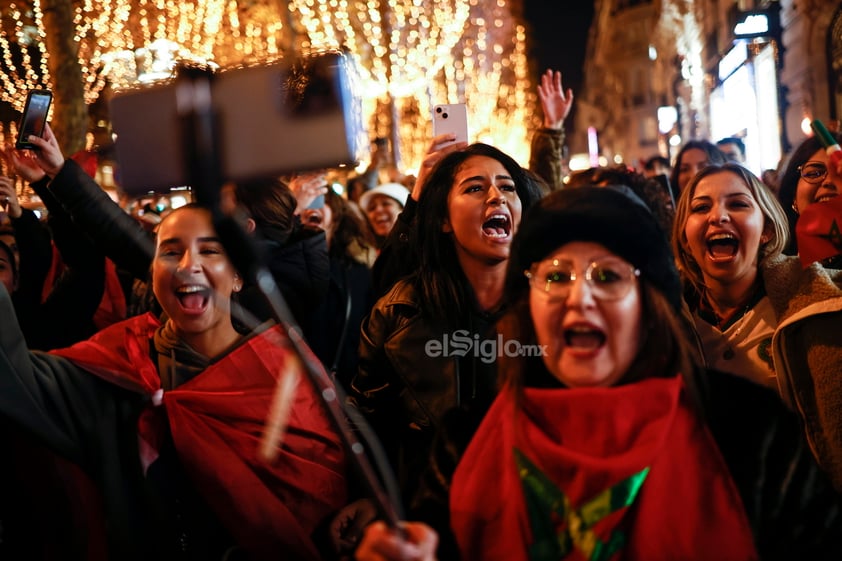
[(34, 117), (451, 118)]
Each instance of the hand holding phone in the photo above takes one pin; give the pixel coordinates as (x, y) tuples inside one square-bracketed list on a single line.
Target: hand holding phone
[(34, 118), (451, 118)]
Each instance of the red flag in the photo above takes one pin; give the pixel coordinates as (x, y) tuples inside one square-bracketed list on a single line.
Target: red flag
[(818, 231)]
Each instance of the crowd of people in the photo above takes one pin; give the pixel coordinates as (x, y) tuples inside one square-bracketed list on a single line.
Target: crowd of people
[(612, 363)]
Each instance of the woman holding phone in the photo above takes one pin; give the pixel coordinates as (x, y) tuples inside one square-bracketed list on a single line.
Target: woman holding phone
[(468, 212)]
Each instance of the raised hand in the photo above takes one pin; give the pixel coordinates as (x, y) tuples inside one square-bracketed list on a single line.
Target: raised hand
[(22, 163), (440, 146), (556, 102), (416, 542), (47, 154), (307, 187), (9, 198)]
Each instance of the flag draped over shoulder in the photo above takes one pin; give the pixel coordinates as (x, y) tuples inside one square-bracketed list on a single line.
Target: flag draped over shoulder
[(217, 419)]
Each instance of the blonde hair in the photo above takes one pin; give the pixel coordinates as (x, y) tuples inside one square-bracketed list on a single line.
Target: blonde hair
[(774, 221)]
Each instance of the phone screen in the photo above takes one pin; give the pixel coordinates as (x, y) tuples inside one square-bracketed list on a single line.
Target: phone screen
[(34, 117)]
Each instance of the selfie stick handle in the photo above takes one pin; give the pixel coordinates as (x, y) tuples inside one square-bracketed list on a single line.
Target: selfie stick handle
[(200, 141)]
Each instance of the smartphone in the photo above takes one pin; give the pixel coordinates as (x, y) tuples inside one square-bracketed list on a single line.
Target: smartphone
[(453, 118), (34, 117), (318, 202), (274, 118)]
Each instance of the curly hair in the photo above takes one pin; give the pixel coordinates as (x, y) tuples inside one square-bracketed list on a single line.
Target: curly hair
[(653, 193)]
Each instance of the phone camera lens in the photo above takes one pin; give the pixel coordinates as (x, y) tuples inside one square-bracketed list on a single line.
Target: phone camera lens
[(444, 115), (438, 109)]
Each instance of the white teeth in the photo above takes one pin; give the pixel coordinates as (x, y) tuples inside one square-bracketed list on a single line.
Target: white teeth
[(498, 217), (188, 289), (717, 237)]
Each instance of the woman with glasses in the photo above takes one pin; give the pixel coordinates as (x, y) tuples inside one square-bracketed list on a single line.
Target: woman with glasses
[(809, 178), (758, 313), (615, 443)]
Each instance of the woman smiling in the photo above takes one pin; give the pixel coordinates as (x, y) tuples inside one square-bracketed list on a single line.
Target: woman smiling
[(757, 313), (597, 449), (166, 417)]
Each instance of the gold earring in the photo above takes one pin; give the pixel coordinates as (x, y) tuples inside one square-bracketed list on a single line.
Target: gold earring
[(795, 208)]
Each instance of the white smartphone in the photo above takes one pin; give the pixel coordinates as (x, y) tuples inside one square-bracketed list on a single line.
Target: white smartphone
[(452, 117)]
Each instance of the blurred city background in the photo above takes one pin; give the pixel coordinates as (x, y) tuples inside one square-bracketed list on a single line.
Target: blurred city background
[(647, 75)]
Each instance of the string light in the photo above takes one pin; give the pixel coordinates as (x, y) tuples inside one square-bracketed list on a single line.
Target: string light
[(411, 54)]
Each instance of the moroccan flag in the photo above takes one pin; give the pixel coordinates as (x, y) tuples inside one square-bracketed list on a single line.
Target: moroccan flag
[(817, 231)]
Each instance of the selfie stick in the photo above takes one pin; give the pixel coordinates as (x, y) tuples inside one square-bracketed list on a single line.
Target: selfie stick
[(200, 141)]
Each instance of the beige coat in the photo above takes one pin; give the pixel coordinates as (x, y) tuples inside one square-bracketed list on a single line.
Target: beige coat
[(807, 351)]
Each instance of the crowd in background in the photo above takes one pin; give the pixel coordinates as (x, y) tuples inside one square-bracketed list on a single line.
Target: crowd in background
[(623, 362)]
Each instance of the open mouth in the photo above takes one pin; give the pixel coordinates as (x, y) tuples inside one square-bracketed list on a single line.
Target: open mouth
[(826, 197), (193, 298), (722, 246), (497, 226), (314, 219), (583, 338)]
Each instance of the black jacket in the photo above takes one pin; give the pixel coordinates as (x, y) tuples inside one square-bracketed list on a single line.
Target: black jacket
[(410, 374), (65, 316), (349, 300), (300, 266)]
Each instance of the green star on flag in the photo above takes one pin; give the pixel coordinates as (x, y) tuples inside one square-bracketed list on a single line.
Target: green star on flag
[(558, 527)]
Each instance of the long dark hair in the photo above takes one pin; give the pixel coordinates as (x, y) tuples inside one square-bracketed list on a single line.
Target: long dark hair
[(714, 154), (443, 288), (789, 183), (351, 237)]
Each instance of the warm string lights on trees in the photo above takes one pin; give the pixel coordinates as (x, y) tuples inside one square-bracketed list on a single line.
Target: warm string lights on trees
[(411, 54)]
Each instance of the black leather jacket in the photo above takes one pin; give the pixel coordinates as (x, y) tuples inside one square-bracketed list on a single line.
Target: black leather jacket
[(412, 370)]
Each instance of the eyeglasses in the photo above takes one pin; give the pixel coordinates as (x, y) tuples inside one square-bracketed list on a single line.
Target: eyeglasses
[(812, 172), (609, 278)]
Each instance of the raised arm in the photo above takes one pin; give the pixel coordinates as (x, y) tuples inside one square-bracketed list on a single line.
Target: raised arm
[(547, 148), (117, 234)]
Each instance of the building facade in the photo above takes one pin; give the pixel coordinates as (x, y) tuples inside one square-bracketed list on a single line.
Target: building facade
[(661, 72)]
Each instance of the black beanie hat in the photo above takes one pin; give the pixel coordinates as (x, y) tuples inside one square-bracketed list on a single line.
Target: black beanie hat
[(612, 216)]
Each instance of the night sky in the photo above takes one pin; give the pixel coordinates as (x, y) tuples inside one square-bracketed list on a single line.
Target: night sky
[(559, 41)]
